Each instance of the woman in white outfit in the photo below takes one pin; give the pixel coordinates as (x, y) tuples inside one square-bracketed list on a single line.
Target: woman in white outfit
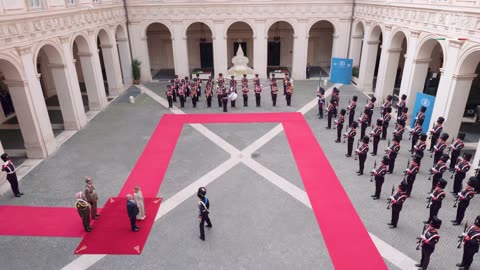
[(138, 196)]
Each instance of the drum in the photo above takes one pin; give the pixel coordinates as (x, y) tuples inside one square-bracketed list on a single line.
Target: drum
[(232, 96)]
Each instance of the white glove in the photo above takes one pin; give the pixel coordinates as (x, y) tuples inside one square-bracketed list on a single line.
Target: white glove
[(464, 234)]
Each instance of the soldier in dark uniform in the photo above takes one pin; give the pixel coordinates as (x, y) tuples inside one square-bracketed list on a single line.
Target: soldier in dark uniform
[(245, 90), (438, 170), (233, 89), (415, 133), (224, 99), (321, 102), (401, 104), (169, 94), (428, 241), (376, 133), (399, 130), (258, 91), (464, 198), (370, 106), (336, 93), (439, 147), (392, 153), (421, 114), (187, 88), (379, 175), (209, 93), (351, 110), (9, 168), (385, 122), (397, 201), (289, 93), (272, 80), (362, 152), (461, 169), (471, 243), (286, 79), (436, 199), (364, 122), (339, 123), (204, 210), (330, 109), (181, 94), (174, 90), (350, 136), (411, 174), (176, 85), (403, 117), (435, 132), (274, 93), (385, 105), (420, 147), (456, 147), (199, 86), (83, 208), (256, 80), (194, 94), (220, 86)]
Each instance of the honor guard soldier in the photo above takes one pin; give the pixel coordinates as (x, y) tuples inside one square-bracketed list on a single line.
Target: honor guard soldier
[(415, 133), (399, 130), (428, 241), (330, 109), (274, 94), (370, 106), (245, 90), (435, 132), (386, 104), (286, 79), (233, 89), (256, 80), (219, 94), (272, 81), (463, 200), (83, 209), (336, 93), (169, 94), (385, 122), (455, 149), (350, 136), (209, 93), (321, 102), (437, 171), (392, 153), (289, 93), (224, 99), (9, 168), (403, 116), (187, 88), (435, 199), (351, 110), (379, 175), (199, 86), (220, 80), (420, 147), (174, 90), (258, 91), (204, 210), (411, 174), (91, 196), (471, 243), (401, 104), (397, 201), (181, 94), (439, 147), (194, 94), (339, 123), (176, 85), (364, 122), (362, 152), (421, 115), (461, 169), (376, 133)]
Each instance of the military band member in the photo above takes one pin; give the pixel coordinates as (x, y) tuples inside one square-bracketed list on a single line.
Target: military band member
[(339, 123), (379, 175), (330, 109), (429, 239), (376, 133), (350, 136), (411, 174), (370, 106), (464, 198), (245, 90), (91, 196), (176, 85), (400, 129), (397, 201), (220, 80), (362, 152), (174, 90), (274, 93), (209, 93), (461, 169), (181, 94), (351, 110), (436, 199), (456, 147), (471, 243), (272, 81), (187, 88), (83, 209), (401, 104), (258, 91), (438, 170), (290, 89), (364, 122), (392, 153), (194, 94), (233, 89), (286, 79), (321, 101), (9, 168), (386, 121), (386, 104), (421, 114), (219, 94), (415, 133), (256, 80), (420, 147), (169, 94), (224, 99), (435, 132), (439, 147), (403, 116), (199, 86), (336, 94)]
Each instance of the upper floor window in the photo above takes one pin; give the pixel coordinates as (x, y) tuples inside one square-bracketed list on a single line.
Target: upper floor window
[(96, 1), (70, 2), (34, 3)]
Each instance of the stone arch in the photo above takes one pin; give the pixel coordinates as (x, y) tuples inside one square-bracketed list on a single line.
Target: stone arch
[(272, 22), (52, 49), (356, 43), (13, 72), (229, 24), (397, 37), (206, 22), (104, 36), (468, 60), (320, 38), (124, 55), (371, 54), (313, 22), (358, 27), (82, 42), (120, 31), (167, 24), (280, 37), (426, 45), (159, 36), (243, 32), (199, 39), (375, 31)]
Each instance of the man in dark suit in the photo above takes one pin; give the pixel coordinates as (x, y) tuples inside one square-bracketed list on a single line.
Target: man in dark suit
[(132, 210)]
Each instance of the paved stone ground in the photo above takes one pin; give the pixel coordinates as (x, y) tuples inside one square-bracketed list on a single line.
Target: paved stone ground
[(256, 225)]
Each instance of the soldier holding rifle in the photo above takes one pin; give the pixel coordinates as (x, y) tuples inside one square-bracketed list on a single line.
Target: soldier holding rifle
[(427, 242), (471, 239), (397, 201)]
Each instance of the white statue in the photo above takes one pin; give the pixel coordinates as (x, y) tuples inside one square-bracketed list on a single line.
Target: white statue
[(240, 66)]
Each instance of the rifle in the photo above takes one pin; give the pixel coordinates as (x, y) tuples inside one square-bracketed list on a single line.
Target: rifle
[(456, 201), (388, 143), (419, 239), (345, 136), (431, 174), (429, 201), (356, 152), (431, 132), (410, 136), (389, 200), (372, 173), (462, 238), (405, 171)]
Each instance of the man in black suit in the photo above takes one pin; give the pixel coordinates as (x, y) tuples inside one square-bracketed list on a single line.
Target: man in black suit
[(132, 210)]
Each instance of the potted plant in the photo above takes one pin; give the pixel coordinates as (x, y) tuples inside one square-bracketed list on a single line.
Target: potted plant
[(136, 72)]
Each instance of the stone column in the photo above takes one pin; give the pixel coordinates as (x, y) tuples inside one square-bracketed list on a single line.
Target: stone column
[(180, 59), (97, 98), (356, 49), (98, 84), (367, 66), (340, 38), (112, 68), (260, 49), (220, 48), (140, 49), (446, 91), (125, 60), (1, 148), (300, 49), (31, 110), (475, 162), (410, 77), (387, 66)]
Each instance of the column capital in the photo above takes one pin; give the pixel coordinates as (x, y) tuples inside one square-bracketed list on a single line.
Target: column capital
[(56, 66), (422, 60), (91, 32), (24, 50), (464, 76), (388, 27), (106, 46), (415, 33), (122, 39), (360, 36), (373, 42), (455, 43), (394, 50), (84, 54), (64, 39)]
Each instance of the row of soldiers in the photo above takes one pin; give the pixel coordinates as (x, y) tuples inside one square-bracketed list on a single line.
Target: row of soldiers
[(459, 166), (183, 89)]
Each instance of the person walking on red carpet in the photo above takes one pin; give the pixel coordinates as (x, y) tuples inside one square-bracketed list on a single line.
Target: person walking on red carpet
[(9, 168), (83, 208), (138, 197), (203, 207), (92, 197), (132, 210)]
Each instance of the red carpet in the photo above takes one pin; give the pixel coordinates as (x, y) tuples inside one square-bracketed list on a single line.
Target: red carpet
[(112, 233)]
